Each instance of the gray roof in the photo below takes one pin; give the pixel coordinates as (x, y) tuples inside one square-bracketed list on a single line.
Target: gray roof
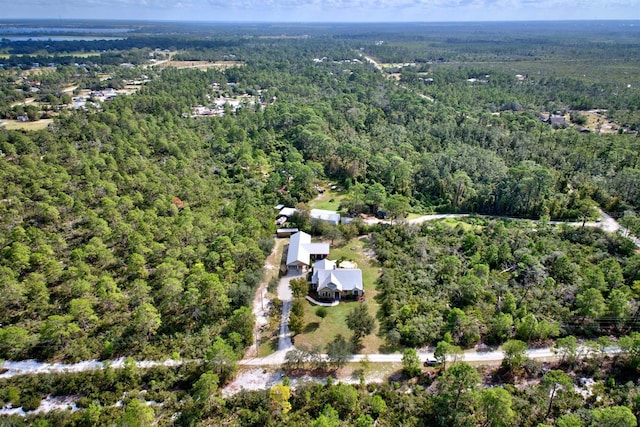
[(323, 264), (317, 248), (340, 279)]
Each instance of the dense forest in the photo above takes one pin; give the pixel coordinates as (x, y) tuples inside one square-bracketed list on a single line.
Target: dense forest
[(133, 229), (492, 281)]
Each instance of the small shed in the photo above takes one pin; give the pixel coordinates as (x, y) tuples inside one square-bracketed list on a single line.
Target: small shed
[(286, 232)]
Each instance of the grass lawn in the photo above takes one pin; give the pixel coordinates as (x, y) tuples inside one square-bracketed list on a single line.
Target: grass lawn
[(85, 54), (15, 124), (318, 331), (329, 200), (267, 346), (463, 223)]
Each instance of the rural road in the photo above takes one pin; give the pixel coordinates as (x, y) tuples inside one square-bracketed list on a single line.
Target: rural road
[(606, 223), (491, 357), (254, 376)]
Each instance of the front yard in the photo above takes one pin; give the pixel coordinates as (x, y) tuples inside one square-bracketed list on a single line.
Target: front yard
[(319, 331)]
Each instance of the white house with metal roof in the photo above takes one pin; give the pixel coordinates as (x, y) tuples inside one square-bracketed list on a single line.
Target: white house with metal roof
[(285, 213), (302, 253), (331, 217)]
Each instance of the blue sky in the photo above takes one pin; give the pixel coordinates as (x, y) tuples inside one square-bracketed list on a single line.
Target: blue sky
[(322, 10)]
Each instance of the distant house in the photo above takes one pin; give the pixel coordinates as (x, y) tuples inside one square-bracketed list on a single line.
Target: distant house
[(332, 283), (286, 212), (556, 120), (302, 253)]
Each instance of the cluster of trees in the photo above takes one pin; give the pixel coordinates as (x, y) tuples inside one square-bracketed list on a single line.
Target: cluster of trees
[(459, 395), (128, 231), (491, 281), (450, 153)]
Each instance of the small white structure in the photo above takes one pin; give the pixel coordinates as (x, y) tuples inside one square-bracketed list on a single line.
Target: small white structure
[(331, 217), (286, 232)]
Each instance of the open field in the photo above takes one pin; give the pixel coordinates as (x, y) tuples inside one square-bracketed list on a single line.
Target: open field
[(17, 125), (205, 65), (23, 102), (318, 331), (598, 123), (329, 200)]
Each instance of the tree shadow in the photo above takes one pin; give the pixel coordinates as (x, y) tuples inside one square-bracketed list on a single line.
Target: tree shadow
[(273, 344), (387, 348), (358, 375), (311, 327)]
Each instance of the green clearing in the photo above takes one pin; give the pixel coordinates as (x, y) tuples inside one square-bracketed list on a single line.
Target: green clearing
[(453, 223), (17, 125), (329, 200), (318, 331)]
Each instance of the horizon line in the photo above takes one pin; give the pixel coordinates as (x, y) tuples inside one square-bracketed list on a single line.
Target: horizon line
[(195, 21)]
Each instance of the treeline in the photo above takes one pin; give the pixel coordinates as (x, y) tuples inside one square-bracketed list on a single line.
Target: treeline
[(31, 47), (454, 153)]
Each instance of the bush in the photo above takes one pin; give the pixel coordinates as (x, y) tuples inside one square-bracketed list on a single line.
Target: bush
[(322, 312), (273, 285), (31, 402), (266, 245), (297, 308)]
